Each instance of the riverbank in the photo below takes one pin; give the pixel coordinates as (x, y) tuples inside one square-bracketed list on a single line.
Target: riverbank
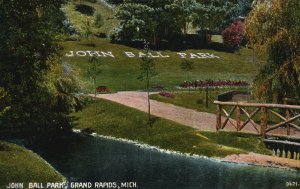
[(23, 166), (106, 118), (249, 159), (112, 119), (263, 160)]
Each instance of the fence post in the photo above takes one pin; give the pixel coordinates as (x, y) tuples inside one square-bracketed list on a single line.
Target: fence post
[(238, 118), (263, 121), (287, 116), (219, 115)]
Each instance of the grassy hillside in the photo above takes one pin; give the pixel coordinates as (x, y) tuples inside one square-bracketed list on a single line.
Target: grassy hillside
[(116, 120), (79, 19), (120, 73), (20, 165)]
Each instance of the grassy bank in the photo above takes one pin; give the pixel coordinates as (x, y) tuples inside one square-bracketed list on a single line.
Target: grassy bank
[(23, 166), (116, 120), (121, 72)]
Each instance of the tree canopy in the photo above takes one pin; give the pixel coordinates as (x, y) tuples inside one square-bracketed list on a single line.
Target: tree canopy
[(34, 84), (167, 19), (273, 28)]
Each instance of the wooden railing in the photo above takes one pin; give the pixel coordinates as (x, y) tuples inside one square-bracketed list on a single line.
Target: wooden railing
[(285, 116)]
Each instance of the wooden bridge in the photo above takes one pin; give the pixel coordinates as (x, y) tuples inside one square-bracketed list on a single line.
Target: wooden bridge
[(278, 122)]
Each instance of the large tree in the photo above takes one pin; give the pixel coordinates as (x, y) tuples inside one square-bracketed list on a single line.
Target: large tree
[(155, 20), (273, 28), (216, 15), (148, 20), (34, 83)]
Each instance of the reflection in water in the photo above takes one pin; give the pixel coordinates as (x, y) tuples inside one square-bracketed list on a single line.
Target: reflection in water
[(89, 159)]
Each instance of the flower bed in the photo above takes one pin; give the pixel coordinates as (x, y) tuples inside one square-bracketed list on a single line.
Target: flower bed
[(102, 89), (167, 94), (212, 83)]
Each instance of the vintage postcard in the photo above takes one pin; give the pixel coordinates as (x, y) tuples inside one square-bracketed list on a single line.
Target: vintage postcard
[(156, 94)]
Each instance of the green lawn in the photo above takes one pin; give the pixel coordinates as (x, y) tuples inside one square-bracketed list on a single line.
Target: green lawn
[(195, 99), (20, 165), (116, 120), (120, 73)]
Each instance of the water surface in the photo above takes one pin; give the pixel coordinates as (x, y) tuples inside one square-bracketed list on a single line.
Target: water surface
[(89, 159)]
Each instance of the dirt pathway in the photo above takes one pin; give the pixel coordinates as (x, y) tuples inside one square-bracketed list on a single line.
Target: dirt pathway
[(138, 100)]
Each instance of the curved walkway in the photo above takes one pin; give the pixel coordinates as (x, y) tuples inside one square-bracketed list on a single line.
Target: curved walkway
[(138, 100)]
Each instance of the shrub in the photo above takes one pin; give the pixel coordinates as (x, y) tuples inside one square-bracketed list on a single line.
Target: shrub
[(233, 35), (212, 83), (92, 1), (101, 35), (158, 87), (98, 20), (101, 89), (85, 9), (167, 94)]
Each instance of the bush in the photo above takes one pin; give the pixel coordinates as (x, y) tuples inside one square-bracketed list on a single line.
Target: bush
[(233, 35), (158, 87), (85, 9), (101, 35), (213, 83), (98, 20), (102, 89), (116, 1), (167, 94)]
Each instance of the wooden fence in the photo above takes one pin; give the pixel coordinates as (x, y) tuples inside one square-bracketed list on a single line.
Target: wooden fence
[(286, 116)]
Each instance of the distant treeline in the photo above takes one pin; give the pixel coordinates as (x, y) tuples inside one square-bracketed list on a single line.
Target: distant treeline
[(171, 21)]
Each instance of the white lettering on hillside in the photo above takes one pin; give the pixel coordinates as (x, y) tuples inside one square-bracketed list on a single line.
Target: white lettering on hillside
[(90, 54), (128, 54), (143, 54), (196, 55)]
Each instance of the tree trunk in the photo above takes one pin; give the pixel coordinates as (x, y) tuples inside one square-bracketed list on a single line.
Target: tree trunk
[(148, 94)]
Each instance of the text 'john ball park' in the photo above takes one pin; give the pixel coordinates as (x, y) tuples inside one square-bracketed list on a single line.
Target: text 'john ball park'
[(154, 54)]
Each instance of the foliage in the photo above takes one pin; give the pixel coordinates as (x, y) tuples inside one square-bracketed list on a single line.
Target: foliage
[(233, 35), (187, 66), (115, 1), (166, 94), (4, 101), (88, 34), (213, 83), (158, 20), (78, 20), (28, 53), (147, 71), (23, 166), (94, 71), (154, 20), (216, 14), (274, 28), (98, 20), (85, 9)]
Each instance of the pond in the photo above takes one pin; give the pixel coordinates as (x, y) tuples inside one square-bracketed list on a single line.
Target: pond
[(93, 159)]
